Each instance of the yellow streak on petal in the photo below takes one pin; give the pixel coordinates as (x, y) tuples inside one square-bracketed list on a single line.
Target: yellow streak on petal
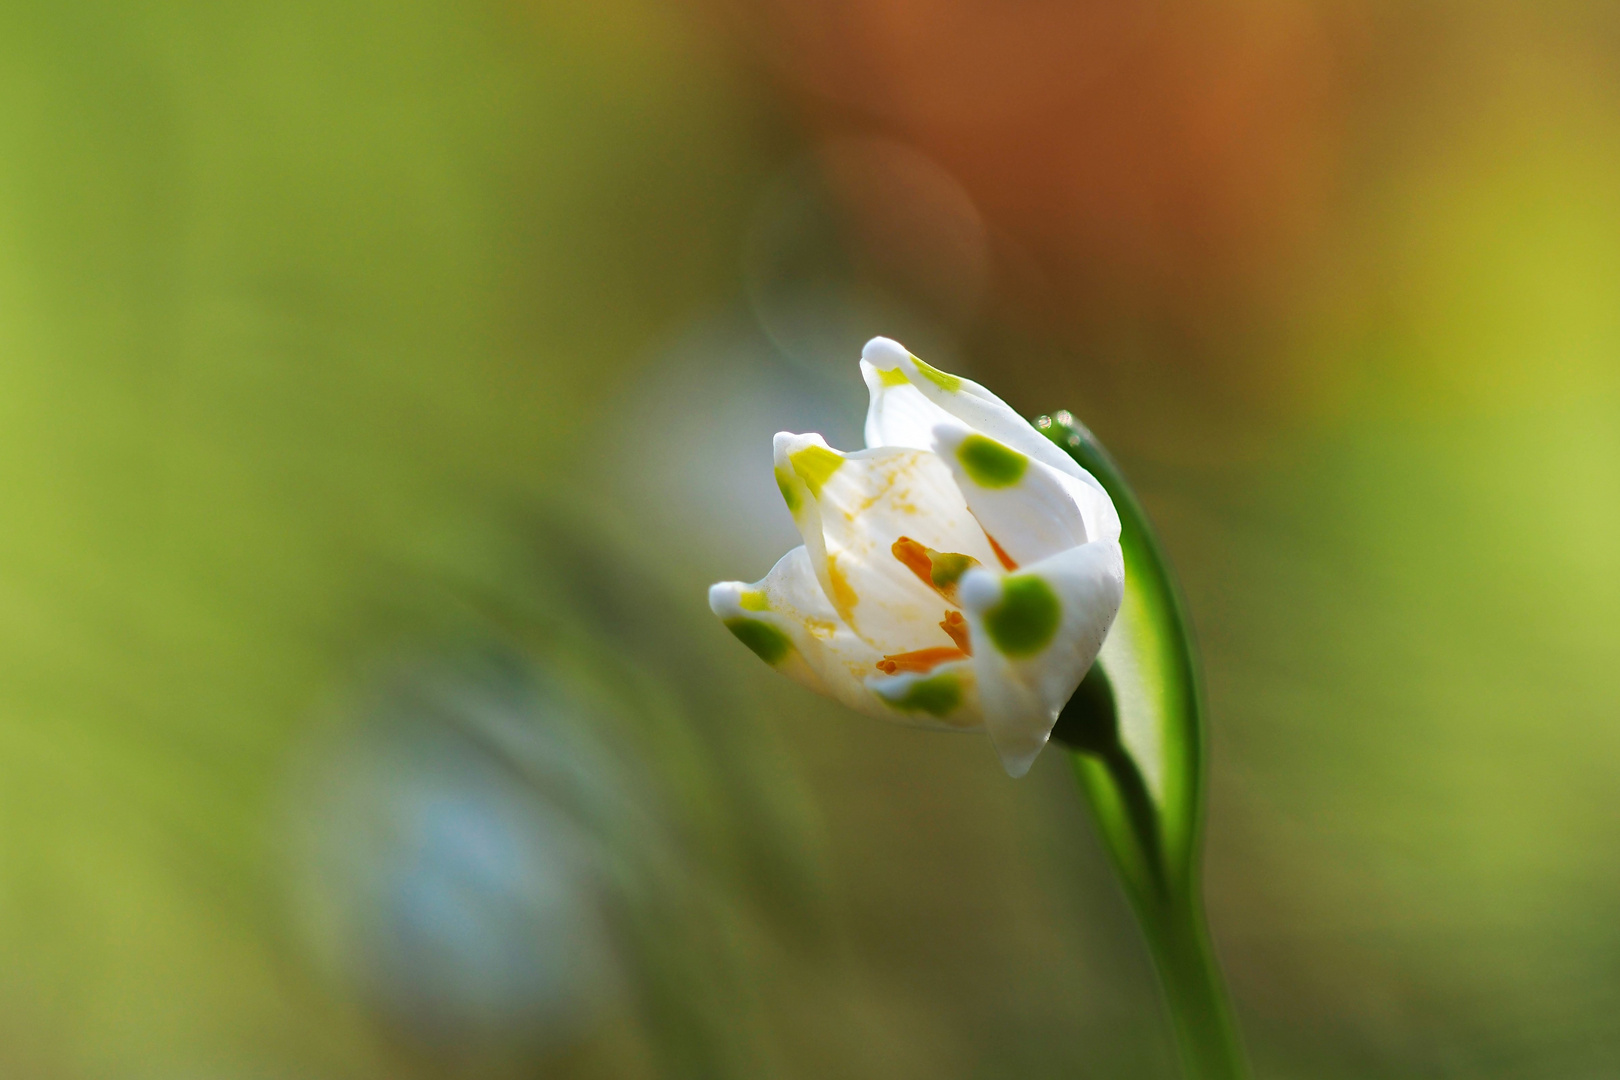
[(815, 466), (892, 376), (821, 628), (942, 379), (754, 600), (844, 598)]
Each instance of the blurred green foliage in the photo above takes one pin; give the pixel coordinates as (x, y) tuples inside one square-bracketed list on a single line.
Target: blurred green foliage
[(300, 303)]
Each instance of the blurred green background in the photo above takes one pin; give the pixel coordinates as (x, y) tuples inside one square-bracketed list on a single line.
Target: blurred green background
[(381, 385)]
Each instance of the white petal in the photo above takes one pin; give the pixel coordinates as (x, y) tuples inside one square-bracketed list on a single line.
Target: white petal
[(974, 406), (1030, 509), (1035, 634), (786, 620), (824, 654), (899, 414), (946, 696), (851, 508)]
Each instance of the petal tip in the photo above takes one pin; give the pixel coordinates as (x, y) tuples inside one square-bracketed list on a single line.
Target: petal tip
[(882, 352), (724, 597), (786, 444), (1019, 763), (979, 589)]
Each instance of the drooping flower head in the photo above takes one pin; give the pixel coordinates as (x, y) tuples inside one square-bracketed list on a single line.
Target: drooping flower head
[(961, 572)]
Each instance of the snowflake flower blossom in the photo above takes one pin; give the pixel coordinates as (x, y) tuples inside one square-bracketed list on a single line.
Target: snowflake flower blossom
[(961, 572)]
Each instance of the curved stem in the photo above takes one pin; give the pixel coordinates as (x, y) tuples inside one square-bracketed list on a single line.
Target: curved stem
[(1200, 1011), (1145, 683), (1170, 910)]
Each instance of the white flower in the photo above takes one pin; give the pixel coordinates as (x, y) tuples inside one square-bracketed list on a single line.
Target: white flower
[(961, 572)]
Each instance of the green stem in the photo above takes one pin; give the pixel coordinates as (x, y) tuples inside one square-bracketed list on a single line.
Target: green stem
[(1170, 911), (1145, 684), (1200, 1011)]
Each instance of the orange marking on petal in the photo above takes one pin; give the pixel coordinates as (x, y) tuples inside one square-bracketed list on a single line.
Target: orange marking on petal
[(957, 627), (914, 557), (920, 660), (1006, 560), (939, 570)]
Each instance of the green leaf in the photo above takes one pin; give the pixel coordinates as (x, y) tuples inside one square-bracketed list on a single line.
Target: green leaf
[(1142, 699)]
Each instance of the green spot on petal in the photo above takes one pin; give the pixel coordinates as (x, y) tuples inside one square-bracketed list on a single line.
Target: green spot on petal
[(938, 695), (815, 465), (892, 377), (790, 494), (949, 567), (754, 600), (989, 464), (1027, 617), (767, 642), (945, 381)]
